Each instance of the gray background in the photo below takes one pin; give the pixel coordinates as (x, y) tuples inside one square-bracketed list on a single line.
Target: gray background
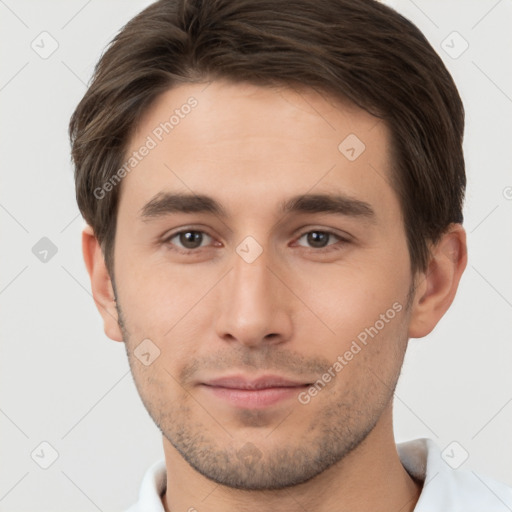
[(63, 382)]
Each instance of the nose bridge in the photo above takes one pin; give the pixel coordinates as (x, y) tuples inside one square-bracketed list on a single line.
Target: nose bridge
[(251, 277), (251, 286), (254, 308)]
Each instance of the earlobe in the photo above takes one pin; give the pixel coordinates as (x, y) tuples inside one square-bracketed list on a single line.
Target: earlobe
[(436, 288), (101, 284)]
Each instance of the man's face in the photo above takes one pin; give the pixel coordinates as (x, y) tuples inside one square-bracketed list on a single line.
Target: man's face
[(256, 293)]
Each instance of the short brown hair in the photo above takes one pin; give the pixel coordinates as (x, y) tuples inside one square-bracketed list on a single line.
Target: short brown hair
[(356, 50)]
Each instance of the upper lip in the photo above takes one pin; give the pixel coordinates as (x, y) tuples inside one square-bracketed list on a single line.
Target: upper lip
[(265, 381)]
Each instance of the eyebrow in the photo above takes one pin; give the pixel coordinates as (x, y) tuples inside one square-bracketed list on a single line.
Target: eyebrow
[(165, 203)]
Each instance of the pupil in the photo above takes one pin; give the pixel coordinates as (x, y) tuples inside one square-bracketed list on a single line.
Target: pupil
[(189, 239), (318, 239)]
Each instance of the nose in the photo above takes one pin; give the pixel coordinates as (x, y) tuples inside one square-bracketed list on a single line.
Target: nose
[(255, 305)]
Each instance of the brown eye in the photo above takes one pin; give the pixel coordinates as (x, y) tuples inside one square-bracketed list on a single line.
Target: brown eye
[(191, 239), (188, 239), (318, 239)]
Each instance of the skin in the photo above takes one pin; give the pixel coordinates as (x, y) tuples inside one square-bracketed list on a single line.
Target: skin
[(290, 312)]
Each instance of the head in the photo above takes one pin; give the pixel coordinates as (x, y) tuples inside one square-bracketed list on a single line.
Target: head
[(270, 191)]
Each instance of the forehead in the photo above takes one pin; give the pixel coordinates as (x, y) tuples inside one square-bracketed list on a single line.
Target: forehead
[(246, 145)]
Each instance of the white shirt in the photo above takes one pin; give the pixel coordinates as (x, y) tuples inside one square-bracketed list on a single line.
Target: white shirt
[(444, 489)]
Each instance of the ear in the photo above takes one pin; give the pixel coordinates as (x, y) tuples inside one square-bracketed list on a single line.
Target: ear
[(101, 284), (436, 288)]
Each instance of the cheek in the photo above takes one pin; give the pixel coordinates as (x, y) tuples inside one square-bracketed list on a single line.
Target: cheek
[(349, 298), (157, 295)]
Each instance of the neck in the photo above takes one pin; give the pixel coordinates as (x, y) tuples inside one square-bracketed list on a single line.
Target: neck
[(371, 477)]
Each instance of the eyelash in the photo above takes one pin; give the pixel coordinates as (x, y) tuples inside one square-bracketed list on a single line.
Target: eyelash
[(191, 252)]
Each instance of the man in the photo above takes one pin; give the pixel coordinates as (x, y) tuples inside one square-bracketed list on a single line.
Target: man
[(274, 197)]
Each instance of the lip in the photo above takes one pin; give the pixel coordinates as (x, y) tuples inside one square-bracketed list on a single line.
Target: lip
[(265, 381), (264, 391)]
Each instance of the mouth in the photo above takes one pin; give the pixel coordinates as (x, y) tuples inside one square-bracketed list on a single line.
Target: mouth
[(267, 390)]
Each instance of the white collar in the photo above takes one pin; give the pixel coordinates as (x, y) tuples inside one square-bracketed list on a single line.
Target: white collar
[(448, 489)]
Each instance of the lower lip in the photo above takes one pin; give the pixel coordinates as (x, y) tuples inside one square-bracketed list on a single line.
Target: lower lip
[(255, 398)]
